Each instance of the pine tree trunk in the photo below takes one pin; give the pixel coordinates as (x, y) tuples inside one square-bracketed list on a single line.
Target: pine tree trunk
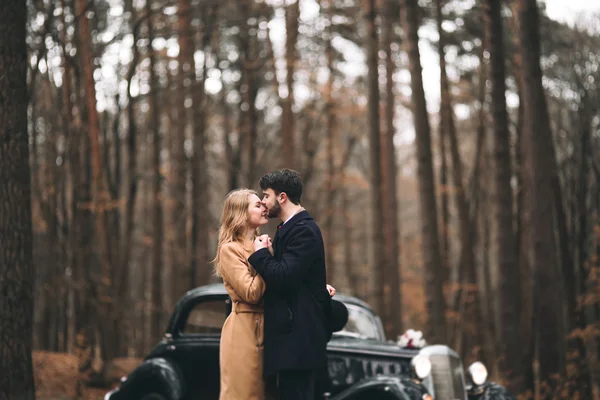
[(132, 192), (156, 315), (577, 355), (248, 44), (72, 125), (389, 195), (435, 303), (472, 307), (99, 194), (16, 253), (331, 134), (443, 134), (522, 234), (511, 360), (547, 312), (375, 157), (288, 130), (200, 270), (176, 228)]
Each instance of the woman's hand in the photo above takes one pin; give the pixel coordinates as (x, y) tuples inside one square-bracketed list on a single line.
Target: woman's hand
[(331, 290), (262, 242)]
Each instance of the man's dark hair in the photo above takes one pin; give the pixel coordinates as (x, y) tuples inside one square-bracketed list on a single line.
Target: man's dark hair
[(284, 181)]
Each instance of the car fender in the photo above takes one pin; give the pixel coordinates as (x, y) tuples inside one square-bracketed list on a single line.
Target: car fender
[(402, 388), (153, 375)]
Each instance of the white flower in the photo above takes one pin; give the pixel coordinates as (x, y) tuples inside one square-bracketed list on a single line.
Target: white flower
[(412, 339)]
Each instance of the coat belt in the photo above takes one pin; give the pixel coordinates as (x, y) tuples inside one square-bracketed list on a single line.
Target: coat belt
[(239, 307)]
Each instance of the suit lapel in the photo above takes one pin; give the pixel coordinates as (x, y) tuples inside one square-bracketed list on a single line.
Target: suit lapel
[(283, 229)]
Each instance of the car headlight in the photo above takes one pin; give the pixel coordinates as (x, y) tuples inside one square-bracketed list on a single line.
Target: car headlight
[(421, 366), (477, 373)]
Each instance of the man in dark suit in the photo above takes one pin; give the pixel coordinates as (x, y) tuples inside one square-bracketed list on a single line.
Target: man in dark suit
[(297, 303)]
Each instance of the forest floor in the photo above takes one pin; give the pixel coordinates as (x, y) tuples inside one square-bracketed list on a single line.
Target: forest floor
[(55, 376)]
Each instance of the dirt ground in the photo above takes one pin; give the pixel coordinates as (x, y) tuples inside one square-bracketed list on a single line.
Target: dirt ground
[(55, 376)]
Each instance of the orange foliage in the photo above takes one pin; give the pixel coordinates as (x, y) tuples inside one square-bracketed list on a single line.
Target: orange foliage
[(55, 376)]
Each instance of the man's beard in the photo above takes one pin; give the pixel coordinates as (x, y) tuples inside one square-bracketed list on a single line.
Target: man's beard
[(275, 211)]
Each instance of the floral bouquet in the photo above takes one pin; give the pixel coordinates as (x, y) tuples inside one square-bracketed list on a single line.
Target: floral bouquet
[(412, 339)]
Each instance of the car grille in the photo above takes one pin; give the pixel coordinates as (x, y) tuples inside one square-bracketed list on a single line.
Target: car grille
[(447, 377)]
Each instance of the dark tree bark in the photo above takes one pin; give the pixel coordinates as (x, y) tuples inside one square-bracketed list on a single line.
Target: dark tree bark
[(288, 129), (156, 315), (472, 340), (127, 303), (249, 90), (511, 361), (389, 194), (444, 189), (200, 270), (177, 260), (377, 216), (472, 337), (540, 169), (16, 253), (522, 234), (576, 350), (331, 134), (72, 125), (435, 303), (100, 195)]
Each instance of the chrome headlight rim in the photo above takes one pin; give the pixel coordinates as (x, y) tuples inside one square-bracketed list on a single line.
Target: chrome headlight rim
[(477, 375), (420, 367)]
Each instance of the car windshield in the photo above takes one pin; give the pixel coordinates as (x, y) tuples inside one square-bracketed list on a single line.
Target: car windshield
[(361, 324)]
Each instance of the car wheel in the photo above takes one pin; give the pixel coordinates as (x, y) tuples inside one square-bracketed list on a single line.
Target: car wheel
[(153, 396)]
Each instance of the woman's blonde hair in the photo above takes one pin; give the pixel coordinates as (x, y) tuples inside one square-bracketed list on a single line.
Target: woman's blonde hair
[(234, 221)]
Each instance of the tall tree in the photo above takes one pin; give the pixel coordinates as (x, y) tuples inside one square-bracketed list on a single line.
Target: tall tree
[(249, 63), (538, 159), (199, 268), (99, 191), (389, 194), (16, 253), (435, 303), (178, 171), (72, 123), (509, 289), (132, 188), (442, 139), (331, 134), (156, 207), (288, 129), (470, 343), (522, 234), (375, 152)]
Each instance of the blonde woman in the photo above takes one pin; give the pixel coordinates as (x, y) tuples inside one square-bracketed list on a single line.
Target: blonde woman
[(241, 348)]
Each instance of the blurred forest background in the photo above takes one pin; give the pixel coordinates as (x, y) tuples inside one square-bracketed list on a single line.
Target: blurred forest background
[(474, 217)]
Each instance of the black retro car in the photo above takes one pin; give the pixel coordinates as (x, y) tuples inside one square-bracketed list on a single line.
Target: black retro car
[(362, 364)]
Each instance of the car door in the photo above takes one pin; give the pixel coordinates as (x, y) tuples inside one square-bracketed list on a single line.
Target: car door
[(195, 345)]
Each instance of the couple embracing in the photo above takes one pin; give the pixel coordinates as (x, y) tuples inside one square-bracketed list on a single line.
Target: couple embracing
[(273, 343)]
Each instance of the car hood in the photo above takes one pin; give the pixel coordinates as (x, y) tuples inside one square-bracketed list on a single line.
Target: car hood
[(342, 344)]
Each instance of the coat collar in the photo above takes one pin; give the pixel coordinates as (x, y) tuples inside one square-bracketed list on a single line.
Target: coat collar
[(282, 228)]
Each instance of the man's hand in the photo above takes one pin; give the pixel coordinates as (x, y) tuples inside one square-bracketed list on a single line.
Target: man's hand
[(331, 290), (262, 242)]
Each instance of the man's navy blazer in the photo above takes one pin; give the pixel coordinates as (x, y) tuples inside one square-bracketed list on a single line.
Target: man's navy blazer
[(297, 304)]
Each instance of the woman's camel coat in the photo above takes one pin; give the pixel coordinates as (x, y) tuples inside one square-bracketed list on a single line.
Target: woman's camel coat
[(241, 350)]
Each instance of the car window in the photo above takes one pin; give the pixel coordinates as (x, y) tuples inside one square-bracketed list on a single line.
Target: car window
[(361, 323), (206, 317)]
